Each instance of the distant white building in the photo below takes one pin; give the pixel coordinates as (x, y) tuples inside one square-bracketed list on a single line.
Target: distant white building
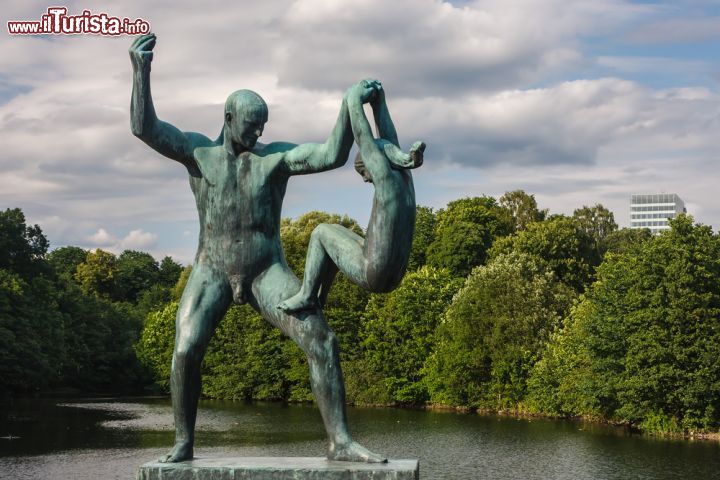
[(653, 211)]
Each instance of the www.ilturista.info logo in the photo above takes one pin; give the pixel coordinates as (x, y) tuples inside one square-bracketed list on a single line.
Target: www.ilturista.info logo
[(56, 21)]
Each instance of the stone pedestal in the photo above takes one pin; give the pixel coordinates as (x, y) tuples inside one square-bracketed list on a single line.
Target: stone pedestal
[(278, 468)]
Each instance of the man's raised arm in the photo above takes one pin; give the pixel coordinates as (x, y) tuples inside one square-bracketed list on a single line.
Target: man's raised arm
[(159, 135), (314, 157)]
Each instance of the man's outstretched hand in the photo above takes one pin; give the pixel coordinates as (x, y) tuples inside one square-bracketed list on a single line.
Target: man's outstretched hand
[(141, 53), (379, 96), (366, 91)]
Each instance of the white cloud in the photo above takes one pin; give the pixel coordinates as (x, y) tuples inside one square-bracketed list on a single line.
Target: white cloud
[(568, 123), (433, 48), (135, 240), (492, 87), (138, 240), (102, 238)]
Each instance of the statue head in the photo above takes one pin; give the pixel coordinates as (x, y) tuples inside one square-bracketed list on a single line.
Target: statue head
[(245, 116), (360, 168)]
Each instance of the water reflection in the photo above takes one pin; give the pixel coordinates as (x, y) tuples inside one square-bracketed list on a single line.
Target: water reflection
[(109, 439)]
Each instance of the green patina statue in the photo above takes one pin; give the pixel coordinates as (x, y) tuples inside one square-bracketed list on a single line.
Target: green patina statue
[(377, 262), (239, 185)]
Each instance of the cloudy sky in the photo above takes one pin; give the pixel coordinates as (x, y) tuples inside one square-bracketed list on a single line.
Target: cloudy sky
[(576, 102)]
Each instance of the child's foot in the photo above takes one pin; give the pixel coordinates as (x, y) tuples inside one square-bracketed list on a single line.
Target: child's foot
[(401, 160), (417, 154), (297, 303)]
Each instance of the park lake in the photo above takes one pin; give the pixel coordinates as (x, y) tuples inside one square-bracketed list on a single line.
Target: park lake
[(110, 438)]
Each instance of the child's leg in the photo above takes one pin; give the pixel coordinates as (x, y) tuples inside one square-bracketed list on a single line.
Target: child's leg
[(331, 247), (325, 283)]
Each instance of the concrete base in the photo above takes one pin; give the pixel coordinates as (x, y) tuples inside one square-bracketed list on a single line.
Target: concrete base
[(278, 468)]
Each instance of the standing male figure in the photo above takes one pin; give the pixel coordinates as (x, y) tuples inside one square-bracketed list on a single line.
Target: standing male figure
[(239, 186)]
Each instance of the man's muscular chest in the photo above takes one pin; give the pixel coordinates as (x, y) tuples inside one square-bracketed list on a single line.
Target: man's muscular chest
[(245, 178)]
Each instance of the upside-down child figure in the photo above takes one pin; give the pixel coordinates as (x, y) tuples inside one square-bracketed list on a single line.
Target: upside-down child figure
[(378, 261)]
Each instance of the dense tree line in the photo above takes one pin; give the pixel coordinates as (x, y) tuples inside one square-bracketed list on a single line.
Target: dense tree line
[(642, 345), (504, 307), (71, 318)]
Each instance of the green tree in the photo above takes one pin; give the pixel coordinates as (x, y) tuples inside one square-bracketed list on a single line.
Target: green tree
[(51, 333), (626, 240), (424, 235), (65, 260), (245, 359), (31, 333), (464, 232), (96, 275), (169, 272), (344, 311), (31, 329), (568, 250), (21, 245), (155, 346), (295, 235), (522, 209), (646, 337), (98, 340), (398, 337), (141, 281), (153, 298), (597, 222), (494, 332), (134, 272), (564, 382)]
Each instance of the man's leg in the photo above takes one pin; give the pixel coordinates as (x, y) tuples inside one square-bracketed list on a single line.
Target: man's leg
[(203, 304), (312, 333)]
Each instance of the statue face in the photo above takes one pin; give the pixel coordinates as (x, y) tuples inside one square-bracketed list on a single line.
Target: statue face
[(360, 168), (247, 125)]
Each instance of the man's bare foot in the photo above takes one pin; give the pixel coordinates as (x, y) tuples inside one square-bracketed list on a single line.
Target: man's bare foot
[(297, 303), (353, 452), (180, 452)]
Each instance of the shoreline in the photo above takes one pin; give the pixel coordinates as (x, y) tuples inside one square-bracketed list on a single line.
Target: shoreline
[(593, 420), (711, 436)]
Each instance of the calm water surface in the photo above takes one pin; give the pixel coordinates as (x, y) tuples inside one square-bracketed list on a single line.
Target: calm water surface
[(109, 439)]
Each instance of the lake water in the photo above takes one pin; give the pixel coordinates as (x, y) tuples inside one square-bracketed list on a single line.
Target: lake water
[(109, 439)]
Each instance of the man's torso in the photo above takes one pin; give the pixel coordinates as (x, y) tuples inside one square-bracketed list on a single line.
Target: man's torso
[(239, 201)]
